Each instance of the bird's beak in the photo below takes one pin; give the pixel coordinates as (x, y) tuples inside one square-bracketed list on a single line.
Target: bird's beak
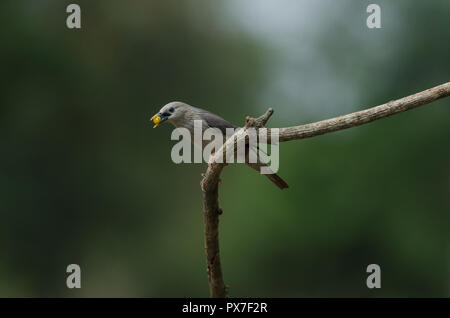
[(158, 119)]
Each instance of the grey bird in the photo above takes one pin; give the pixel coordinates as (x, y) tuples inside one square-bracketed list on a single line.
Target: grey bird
[(183, 115)]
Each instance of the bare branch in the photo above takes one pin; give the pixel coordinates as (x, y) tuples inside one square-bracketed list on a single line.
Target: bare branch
[(260, 121), (365, 116), (211, 178), (211, 210)]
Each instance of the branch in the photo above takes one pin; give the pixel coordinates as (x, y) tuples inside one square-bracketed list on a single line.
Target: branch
[(211, 209), (365, 116), (260, 121), (209, 184)]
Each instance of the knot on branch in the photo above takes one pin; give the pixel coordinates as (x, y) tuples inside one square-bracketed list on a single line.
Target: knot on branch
[(260, 121)]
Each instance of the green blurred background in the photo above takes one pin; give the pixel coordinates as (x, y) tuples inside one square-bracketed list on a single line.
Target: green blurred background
[(85, 179)]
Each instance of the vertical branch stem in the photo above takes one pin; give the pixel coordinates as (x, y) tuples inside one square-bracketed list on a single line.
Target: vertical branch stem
[(211, 211)]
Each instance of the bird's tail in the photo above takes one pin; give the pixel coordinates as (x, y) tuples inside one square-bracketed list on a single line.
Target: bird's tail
[(278, 181)]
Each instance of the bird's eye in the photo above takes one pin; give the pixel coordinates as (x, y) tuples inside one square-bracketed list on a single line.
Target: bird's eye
[(171, 109)]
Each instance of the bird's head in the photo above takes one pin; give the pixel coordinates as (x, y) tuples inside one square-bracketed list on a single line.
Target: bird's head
[(171, 112)]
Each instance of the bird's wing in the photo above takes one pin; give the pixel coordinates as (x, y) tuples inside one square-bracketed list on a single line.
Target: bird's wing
[(214, 120)]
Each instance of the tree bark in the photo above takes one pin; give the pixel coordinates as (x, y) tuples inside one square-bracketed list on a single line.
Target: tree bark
[(211, 210)]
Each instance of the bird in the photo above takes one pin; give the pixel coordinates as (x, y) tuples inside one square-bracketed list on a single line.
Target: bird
[(180, 114)]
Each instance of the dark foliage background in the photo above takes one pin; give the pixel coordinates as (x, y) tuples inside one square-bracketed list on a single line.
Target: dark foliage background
[(85, 179)]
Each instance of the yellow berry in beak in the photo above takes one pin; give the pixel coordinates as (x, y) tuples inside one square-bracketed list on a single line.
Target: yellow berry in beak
[(156, 119)]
